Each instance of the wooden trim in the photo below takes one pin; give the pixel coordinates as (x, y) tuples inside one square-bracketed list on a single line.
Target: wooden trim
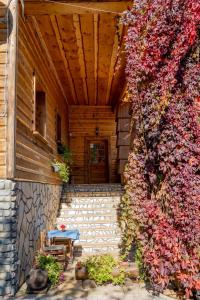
[(45, 8), (11, 89), (40, 137), (96, 50), (94, 137), (76, 20), (113, 62)]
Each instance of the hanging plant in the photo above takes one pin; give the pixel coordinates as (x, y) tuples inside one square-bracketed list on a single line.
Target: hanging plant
[(62, 169)]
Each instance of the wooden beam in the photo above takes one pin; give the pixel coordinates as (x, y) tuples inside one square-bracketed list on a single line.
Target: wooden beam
[(43, 8), (81, 54), (105, 42), (66, 64), (96, 20), (11, 90), (48, 57), (87, 32), (113, 60)]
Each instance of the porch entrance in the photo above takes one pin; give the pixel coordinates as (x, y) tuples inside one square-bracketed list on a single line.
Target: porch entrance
[(97, 161)]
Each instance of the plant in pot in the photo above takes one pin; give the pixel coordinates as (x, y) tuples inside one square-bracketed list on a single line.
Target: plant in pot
[(46, 271), (102, 269), (53, 268), (62, 169)]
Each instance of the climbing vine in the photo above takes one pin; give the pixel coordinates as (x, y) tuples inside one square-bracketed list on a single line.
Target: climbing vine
[(163, 173)]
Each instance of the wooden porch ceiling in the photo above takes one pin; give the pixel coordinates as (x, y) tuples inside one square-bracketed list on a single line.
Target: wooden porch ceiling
[(82, 41)]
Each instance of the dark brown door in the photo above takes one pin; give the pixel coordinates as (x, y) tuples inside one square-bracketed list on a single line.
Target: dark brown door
[(97, 159)]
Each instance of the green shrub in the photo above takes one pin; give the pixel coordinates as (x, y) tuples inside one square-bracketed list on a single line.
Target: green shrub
[(64, 170), (100, 269), (48, 263)]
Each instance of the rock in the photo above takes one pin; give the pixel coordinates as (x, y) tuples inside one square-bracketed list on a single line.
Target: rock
[(128, 282), (197, 295), (37, 280), (88, 284), (131, 270)]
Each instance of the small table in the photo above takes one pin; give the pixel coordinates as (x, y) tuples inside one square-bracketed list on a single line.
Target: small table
[(64, 237), (70, 234)]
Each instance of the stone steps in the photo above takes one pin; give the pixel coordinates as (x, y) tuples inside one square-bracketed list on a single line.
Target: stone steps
[(90, 249), (93, 210), (65, 198), (89, 225), (87, 219), (102, 188), (87, 212), (85, 202)]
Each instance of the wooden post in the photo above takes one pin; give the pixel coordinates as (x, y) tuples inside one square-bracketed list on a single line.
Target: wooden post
[(11, 87)]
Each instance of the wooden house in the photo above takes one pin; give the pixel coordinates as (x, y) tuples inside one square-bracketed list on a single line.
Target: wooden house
[(62, 77)]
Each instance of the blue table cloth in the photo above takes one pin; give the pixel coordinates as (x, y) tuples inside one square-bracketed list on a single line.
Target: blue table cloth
[(70, 234)]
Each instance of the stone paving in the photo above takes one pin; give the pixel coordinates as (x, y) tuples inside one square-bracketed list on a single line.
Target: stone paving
[(73, 290)]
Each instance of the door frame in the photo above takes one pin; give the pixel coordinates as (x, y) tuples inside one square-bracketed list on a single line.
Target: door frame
[(86, 158)]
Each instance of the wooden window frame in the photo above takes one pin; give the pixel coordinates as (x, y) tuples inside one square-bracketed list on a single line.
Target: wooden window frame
[(36, 133), (58, 116)]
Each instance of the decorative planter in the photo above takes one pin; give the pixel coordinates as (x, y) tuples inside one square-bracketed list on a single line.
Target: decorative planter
[(80, 272), (36, 280)]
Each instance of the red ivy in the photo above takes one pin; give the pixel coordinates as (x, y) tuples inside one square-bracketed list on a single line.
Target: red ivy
[(163, 173)]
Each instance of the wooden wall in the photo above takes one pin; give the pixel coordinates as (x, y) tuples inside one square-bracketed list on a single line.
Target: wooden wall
[(3, 108), (33, 155), (82, 123), (123, 136)]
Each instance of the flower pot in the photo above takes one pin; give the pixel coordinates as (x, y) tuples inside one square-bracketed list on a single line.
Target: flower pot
[(36, 280), (81, 272), (131, 269), (56, 168)]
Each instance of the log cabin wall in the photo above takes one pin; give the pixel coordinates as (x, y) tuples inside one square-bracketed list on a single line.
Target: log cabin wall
[(33, 153), (3, 108), (83, 121)]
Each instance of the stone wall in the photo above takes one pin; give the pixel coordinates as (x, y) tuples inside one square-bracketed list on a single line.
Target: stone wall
[(25, 209), (8, 233)]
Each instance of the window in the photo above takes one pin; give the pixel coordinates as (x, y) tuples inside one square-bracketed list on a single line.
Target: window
[(58, 128), (40, 110)]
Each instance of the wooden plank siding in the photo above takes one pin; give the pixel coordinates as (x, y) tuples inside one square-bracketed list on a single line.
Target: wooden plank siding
[(83, 121), (33, 155), (3, 106)]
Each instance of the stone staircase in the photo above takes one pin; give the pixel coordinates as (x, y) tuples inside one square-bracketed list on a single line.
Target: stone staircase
[(92, 209)]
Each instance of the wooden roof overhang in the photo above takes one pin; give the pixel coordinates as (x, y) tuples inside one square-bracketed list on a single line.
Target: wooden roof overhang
[(84, 44)]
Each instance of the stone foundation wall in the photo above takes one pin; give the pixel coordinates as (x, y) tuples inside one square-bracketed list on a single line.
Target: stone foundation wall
[(25, 209), (8, 233)]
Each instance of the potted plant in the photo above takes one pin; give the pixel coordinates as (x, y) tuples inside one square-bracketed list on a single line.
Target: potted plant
[(62, 169)]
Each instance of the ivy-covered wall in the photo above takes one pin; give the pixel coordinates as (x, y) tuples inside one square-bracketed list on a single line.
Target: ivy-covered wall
[(163, 175)]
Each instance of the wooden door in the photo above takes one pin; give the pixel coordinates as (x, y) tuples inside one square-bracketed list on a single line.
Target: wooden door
[(97, 161)]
